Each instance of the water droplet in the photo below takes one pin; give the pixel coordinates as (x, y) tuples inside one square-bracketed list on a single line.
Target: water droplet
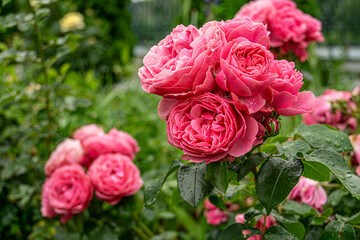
[(332, 164), (349, 175), (352, 185)]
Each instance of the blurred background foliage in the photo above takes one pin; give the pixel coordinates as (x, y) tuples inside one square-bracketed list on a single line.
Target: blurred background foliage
[(53, 81)]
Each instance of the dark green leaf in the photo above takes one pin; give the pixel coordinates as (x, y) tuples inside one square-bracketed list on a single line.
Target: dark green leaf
[(355, 219), (291, 148), (321, 137), (250, 163), (217, 174), (218, 202), (338, 230), (192, 185), (337, 165), (235, 232), (316, 171), (294, 227), (277, 233), (152, 191), (276, 178), (323, 217), (335, 196)]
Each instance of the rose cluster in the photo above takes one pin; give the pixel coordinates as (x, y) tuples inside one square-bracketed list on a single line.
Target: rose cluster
[(270, 221), (222, 89), (310, 192), (290, 28), (215, 215), (335, 108), (68, 190)]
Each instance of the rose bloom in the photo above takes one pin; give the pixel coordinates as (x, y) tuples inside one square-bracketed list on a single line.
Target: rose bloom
[(113, 142), (114, 176), (209, 128), (355, 141), (72, 21), (287, 100), (244, 68), (214, 216), (68, 152), (290, 28), (67, 191), (87, 131), (174, 69), (270, 221), (324, 113), (310, 192)]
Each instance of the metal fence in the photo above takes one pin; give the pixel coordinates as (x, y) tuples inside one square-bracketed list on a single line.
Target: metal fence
[(154, 19)]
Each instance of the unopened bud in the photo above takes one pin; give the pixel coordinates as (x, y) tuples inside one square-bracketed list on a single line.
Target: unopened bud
[(272, 126)]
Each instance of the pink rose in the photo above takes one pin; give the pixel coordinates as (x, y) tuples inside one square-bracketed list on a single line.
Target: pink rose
[(245, 28), (355, 141), (114, 176), (67, 191), (175, 69), (270, 221), (113, 142), (244, 68), (68, 152), (209, 128), (127, 138), (216, 216), (310, 192), (325, 114), (87, 131), (290, 28), (287, 99), (356, 91)]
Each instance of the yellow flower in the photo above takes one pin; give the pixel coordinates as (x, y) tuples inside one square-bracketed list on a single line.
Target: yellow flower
[(72, 21), (32, 88)]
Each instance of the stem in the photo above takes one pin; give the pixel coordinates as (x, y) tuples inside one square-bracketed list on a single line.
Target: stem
[(143, 226), (264, 227), (331, 185), (140, 233), (40, 46)]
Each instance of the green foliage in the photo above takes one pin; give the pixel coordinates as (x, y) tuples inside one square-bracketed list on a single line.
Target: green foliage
[(235, 232), (276, 179)]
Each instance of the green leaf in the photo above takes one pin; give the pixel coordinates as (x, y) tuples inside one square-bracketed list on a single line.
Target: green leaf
[(105, 233), (233, 190), (250, 163), (335, 197), (355, 219), (338, 230), (316, 171), (217, 174), (218, 202), (192, 185), (291, 148), (235, 232), (277, 233), (279, 139), (337, 165), (5, 2), (320, 220), (295, 207), (276, 178), (152, 191), (269, 148), (294, 227), (322, 137)]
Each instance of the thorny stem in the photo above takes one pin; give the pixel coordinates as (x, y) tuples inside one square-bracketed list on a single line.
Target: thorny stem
[(40, 46)]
